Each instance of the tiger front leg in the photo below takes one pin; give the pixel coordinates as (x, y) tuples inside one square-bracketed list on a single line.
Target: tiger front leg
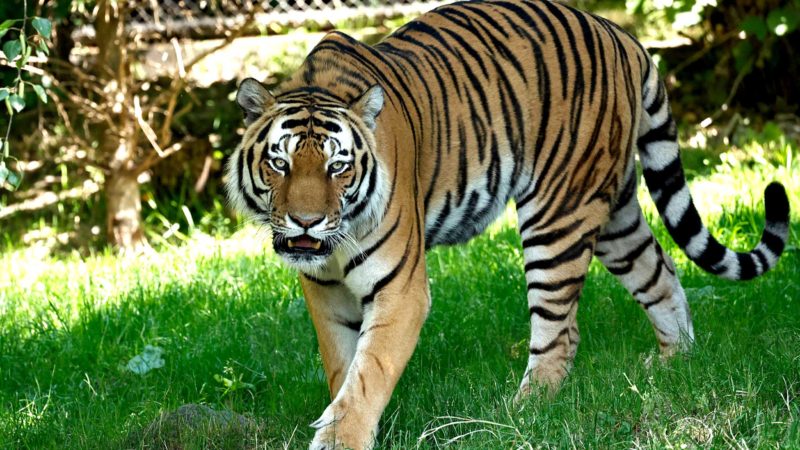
[(392, 319), (337, 318)]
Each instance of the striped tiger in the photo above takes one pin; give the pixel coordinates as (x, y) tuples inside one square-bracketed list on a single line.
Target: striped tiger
[(369, 155)]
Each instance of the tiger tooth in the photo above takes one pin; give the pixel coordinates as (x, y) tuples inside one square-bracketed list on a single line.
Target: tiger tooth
[(291, 243), (316, 245)]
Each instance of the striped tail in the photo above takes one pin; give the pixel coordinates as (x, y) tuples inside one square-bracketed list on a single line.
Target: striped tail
[(663, 173)]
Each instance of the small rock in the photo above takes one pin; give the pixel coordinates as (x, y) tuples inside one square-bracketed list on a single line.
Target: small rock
[(196, 426)]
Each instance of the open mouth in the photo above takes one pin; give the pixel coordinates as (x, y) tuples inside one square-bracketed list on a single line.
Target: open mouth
[(304, 242), (301, 245)]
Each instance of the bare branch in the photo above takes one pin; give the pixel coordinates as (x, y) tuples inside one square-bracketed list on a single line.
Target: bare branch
[(154, 158), (179, 82), (178, 57), (146, 128), (26, 67)]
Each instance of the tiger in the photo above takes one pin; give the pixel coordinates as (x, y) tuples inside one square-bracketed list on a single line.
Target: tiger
[(367, 156)]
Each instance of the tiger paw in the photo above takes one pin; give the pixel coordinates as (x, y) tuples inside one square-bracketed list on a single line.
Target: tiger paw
[(339, 429), (539, 381)]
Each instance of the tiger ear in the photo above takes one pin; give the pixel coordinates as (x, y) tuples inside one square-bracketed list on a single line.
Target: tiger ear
[(368, 105), (254, 99)]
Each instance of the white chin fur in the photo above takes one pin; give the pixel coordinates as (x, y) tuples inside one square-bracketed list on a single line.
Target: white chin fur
[(309, 265)]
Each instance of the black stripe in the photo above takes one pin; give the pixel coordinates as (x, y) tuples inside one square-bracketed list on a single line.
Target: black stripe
[(358, 208), (648, 305), (525, 17), (761, 259), (747, 266), (331, 127), (621, 270), (360, 258), (627, 193), (295, 123), (588, 40), (355, 326), (462, 163), (364, 162), (625, 232), (562, 59), (663, 132), (251, 203), (551, 345), (572, 253), (773, 242), (652, 281), (634, 254), (548, 315), (544, 170), (430, 234), (308, 90), (542, 239), (369, 298), (320, 281), (658, 100), (554, 286), (357, 139)]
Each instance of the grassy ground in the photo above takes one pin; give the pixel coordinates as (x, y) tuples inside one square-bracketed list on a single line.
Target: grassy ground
[(235, 334)]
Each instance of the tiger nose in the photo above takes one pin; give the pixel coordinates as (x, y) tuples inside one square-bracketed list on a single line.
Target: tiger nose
[(306, 220)]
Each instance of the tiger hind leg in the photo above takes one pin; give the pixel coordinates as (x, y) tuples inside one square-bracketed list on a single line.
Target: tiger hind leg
[(557, 257), (629, 250)]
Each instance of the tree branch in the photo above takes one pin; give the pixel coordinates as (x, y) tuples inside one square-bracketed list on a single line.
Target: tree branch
[(176, 87), (179, 82)]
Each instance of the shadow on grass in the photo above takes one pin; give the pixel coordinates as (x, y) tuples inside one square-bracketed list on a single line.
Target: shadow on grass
[(233, 336)]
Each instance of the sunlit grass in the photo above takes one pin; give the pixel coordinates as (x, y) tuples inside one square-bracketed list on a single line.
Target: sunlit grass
[(235, 334)]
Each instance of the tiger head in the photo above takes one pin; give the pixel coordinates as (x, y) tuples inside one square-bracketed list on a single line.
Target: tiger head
[(307, 167)]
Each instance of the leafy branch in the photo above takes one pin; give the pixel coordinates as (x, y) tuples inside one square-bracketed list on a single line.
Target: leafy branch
[(16, 53)]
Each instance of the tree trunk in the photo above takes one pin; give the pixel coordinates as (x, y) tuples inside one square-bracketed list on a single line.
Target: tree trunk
[(124, 225), (124, 212)]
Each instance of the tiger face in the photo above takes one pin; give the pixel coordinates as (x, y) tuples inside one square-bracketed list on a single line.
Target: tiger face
[(308, 168)]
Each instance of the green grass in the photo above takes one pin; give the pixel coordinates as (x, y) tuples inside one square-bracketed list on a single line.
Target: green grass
[(235, 334)]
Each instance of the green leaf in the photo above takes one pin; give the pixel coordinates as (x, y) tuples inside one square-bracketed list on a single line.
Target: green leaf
[(3, 33), (12, 49), (7, 24), (42, 25), (754, 25), (9, 176), (42, 47), (3, 93), (17, 102), (26, 54), (14, 179), (40, 92)]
